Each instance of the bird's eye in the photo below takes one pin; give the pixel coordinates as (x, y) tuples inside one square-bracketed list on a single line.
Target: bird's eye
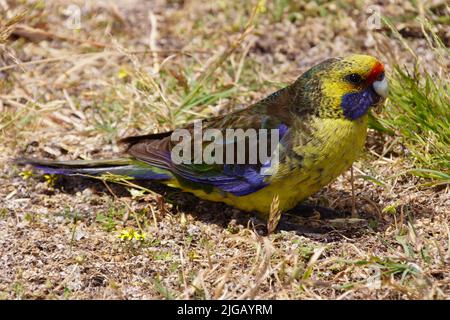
[(380, 77), (354, 78)]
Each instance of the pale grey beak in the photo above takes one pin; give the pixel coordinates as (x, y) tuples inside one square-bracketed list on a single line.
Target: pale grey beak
[(381, 87)]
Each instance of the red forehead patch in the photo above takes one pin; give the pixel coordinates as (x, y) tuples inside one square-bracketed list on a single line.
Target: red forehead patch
[(377, 69)]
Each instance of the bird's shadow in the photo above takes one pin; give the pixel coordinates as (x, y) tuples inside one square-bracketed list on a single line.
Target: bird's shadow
[(312, 221)]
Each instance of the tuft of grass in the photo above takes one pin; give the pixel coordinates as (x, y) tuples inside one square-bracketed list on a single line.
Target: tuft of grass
[(418, 110), (107, 118), (392, 267), (109, 220), (162, 290)]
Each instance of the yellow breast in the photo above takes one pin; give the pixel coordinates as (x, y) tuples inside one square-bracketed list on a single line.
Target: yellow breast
[(336, 145)]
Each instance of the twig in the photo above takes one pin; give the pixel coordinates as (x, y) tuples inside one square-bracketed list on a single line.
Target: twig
[(126, 204), (152, 41), (33, 33), (354, 213), (73, 56)]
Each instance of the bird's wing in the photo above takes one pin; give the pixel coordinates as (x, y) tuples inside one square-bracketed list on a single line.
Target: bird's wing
[(239, 179)]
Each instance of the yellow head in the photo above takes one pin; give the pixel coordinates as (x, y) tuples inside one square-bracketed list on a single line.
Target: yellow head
[(345, 87)]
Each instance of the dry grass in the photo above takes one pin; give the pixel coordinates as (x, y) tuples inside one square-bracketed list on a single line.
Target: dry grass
[(138, 67)]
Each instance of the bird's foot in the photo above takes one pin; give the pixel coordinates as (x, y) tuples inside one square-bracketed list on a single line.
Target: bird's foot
[(311, 211), (313, 219)]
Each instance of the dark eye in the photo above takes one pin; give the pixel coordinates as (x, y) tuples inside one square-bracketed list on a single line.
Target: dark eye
[(354, 78), (380, 77)]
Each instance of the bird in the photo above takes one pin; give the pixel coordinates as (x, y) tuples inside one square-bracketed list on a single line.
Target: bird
[(319, 124)]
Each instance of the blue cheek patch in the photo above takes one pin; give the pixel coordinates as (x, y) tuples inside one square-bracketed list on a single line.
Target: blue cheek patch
[(357, 104)]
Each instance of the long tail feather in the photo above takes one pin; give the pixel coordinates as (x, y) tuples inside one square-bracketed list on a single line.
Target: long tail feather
[(120, 166)]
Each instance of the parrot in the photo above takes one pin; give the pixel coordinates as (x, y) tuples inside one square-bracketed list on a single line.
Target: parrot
[(321, 121)]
